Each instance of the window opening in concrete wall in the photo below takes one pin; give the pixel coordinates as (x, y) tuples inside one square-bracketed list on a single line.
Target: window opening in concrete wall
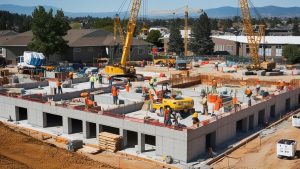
[(150, 140), (287, 104), (110, 129), (21, 113), (272, 113), (210, 141), (251, 122), (76, 126), (132, 138), (261, 117), (93, 132), (299, 98), (53, 120), (239, 126)]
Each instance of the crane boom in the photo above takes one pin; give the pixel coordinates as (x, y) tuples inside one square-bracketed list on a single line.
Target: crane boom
[(253, 39), (136, 4), (118, 27)]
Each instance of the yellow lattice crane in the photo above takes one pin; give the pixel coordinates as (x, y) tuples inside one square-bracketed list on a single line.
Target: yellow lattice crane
[(118, 28), (121, 69), (254, 39)]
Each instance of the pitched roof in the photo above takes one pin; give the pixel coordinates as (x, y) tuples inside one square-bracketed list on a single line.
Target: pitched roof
[(280, 40), (75, 38), (7, 33)]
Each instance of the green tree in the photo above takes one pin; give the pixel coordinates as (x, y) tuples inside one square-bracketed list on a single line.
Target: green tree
[(154, 38), (296, 31), (48, 32), (291, 53), (175, 43), (201, 42)]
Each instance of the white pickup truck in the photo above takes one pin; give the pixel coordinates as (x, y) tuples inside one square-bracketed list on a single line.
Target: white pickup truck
[(286, 148)]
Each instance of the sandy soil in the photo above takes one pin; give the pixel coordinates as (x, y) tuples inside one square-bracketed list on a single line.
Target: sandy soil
[(21, 151), (255, 156)]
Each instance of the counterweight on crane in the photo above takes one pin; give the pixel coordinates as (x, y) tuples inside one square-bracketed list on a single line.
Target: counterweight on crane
[(121, 69)]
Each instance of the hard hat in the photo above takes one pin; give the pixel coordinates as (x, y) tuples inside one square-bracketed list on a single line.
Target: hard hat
[(195, 115)]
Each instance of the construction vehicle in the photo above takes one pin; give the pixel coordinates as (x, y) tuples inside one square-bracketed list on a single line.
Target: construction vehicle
[(166, 98), (30, 60), (165, 61), (254, 39), (120, 69)]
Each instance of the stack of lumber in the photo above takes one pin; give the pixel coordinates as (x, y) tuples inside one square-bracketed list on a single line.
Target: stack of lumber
[(110, 142)]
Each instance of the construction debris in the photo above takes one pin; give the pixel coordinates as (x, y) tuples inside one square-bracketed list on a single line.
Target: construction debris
[(110, 142)]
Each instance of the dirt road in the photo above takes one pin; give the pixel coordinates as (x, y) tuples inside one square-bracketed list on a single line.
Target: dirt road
[(255, 156)]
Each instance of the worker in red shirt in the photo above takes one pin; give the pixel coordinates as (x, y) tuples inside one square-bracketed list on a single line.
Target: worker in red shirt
[(59, 88), (167, 116), (115, 93)]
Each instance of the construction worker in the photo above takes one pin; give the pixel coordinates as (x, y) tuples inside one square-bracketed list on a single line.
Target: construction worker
[(214, 86), (71, 75), (218, 103), (257, 87), (127, 86), (195, 119), (248, 93), (167, 116), (88, 103), (59, 88), (151, 83), (115, 93), (235, 103), (100, 78), (204, 105), (281, 85), (92, 81)]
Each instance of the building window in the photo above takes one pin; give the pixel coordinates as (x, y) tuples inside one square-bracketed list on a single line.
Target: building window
[(229, 48), (90, 49), (247, 50), (278, 50), (261, 50), (77, 50), (1, 52), (141, 51), (268, 50)]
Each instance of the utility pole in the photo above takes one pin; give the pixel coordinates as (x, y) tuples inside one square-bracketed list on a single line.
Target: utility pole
[(186, 30)]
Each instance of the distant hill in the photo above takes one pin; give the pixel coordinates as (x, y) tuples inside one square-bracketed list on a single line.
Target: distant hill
[(222, 12)]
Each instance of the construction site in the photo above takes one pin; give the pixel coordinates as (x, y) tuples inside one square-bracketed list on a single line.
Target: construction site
[(195, 117)]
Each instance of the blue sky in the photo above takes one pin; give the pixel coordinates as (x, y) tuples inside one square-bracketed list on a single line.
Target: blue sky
[(113, 5)]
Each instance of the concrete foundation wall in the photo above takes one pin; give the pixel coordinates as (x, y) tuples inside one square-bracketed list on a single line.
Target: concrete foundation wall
[(184, 145), (226, 128)]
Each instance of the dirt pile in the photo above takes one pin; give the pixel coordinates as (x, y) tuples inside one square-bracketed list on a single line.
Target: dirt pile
[(20, 151)]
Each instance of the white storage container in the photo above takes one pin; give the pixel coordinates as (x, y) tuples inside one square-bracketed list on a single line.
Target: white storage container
[(286, 148), (296, 121)]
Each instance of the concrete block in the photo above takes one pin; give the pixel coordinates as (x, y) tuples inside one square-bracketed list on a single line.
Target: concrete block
[(67, 125), (141, 142)]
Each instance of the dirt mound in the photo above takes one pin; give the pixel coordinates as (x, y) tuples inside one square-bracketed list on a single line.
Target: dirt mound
[(20, 151)]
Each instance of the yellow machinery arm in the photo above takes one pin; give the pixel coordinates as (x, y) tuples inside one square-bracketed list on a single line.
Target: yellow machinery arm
[(120, 69), (118, 27), (136, 4), (254, 39)]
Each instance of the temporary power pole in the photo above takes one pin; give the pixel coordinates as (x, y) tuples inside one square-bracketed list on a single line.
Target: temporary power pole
[(186, 30)]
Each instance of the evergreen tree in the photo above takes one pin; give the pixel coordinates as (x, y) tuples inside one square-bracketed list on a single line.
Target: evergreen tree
[(296, 31), (154, 38), (175, 44), (291, 53), (48, 32), (201, 42)]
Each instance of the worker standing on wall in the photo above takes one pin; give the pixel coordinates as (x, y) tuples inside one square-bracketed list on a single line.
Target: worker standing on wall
[(214, 86), (167, 116), (59, 88), (196, 120), (100, 78), (204, 104), (281, 85), (257, 87), (92, 81), (115, 93), (127, 86), (248, 94), (71, 76), (235, 103)]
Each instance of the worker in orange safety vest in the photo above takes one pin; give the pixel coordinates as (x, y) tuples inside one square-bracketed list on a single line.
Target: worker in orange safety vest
[(115, 93), (127, 87)]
